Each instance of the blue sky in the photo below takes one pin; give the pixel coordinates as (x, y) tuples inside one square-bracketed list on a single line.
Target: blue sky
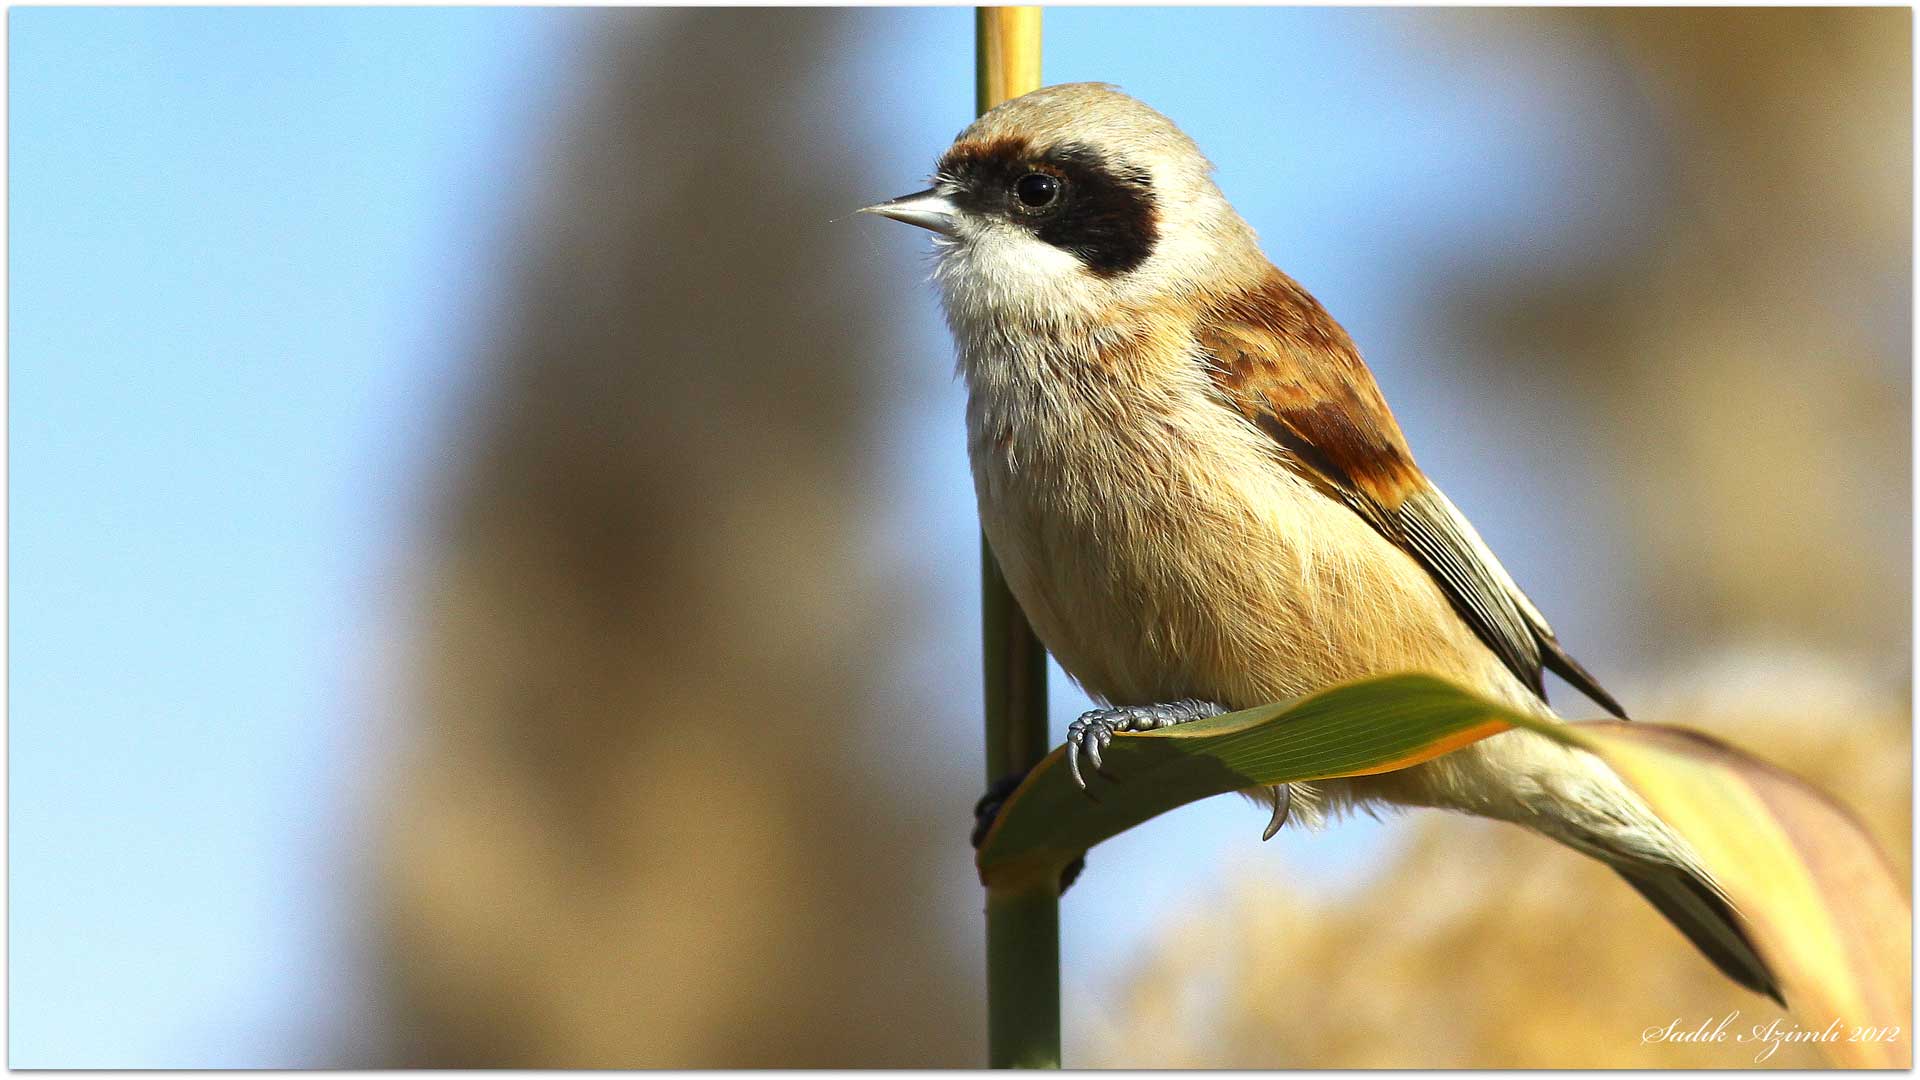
[(244, 248), (249, 250)]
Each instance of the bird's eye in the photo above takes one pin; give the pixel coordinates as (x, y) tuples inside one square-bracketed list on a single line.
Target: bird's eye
[(1037, 191)]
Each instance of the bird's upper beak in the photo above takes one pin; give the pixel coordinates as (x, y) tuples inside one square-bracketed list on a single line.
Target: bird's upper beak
[(928, 209)]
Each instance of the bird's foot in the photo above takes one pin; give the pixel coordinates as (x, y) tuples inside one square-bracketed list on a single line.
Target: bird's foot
[(987, 811), (1094, 730)]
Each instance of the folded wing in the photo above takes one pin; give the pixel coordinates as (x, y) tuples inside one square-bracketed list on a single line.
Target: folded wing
[(1276, 356)]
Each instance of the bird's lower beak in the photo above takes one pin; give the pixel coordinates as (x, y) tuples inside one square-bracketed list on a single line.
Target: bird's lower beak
[(928, 209)]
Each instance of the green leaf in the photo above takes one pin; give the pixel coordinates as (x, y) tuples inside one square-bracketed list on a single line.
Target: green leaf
[(1822, 907), (1371, 726)]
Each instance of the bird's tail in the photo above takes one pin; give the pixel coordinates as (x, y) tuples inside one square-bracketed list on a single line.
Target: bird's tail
[(1599, 814), (1698, 910), (1573, 797)]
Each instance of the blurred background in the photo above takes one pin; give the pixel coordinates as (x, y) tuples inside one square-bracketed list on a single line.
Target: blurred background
[(493, 562)]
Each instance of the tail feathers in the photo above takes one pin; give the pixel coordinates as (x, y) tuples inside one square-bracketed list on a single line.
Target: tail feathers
[(1708, 920)]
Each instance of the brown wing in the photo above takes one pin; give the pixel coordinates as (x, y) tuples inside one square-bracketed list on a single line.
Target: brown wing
[(1280, 359)]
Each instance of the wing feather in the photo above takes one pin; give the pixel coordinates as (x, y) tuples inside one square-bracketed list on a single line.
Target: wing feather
[(1277, 356)]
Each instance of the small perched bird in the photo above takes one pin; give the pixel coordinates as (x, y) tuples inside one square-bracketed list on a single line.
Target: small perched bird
[(1202, 502)]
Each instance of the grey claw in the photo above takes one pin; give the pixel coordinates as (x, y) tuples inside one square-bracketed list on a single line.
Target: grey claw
[(1095, 729), (1282, 802), (1088, 737)]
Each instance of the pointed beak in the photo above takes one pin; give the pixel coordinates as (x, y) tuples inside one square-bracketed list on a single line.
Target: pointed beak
[(928, 209)]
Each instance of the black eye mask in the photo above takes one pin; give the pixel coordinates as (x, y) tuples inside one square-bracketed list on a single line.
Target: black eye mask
[(1104, 215)]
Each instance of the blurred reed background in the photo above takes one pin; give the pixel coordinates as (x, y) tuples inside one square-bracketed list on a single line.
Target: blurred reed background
[(660, 722)]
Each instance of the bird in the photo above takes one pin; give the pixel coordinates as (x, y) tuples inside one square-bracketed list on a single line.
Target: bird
[(1201, 501)]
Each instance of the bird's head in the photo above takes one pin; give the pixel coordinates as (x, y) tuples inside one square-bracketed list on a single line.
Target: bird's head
[(1076, 202)]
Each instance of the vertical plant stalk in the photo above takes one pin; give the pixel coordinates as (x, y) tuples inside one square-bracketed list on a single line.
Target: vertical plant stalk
[(1023, 924)]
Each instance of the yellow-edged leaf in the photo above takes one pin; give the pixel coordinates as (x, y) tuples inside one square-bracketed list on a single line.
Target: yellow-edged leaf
[(1822, 907), (1371, 726)]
